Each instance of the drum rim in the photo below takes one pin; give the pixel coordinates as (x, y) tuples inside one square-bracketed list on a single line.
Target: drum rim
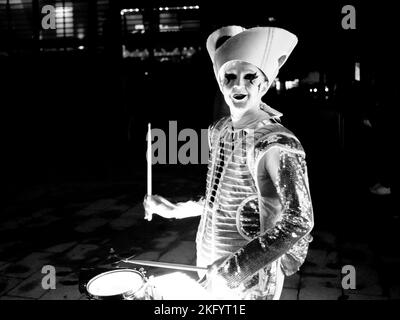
[(119, 295)]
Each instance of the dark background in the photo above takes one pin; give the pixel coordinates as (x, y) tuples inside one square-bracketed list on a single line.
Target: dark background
[(70, 114)]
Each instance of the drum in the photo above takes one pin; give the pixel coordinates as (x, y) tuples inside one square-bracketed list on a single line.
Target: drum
[(120, 284), (179, 286)]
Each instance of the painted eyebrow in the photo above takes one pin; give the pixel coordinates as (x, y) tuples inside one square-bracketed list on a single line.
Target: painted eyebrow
[(251, 75), (246, 72)]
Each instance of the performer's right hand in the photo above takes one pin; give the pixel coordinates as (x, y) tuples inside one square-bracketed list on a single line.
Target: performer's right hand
[(158, 205)]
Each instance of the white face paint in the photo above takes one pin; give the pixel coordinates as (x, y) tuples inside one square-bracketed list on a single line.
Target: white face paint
[(243, 86)]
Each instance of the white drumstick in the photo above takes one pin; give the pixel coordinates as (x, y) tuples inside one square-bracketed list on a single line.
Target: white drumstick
[(149, 160), (164, 265)]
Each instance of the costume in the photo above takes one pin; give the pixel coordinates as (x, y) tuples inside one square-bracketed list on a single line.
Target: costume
[(257, 214)]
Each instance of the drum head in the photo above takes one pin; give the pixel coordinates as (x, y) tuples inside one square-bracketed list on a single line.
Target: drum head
[(115, 284)]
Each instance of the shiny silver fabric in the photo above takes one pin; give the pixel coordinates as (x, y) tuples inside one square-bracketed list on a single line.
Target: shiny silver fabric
[(258, 223)]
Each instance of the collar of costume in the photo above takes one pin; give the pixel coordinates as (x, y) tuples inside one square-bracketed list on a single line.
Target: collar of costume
[(271, 114)]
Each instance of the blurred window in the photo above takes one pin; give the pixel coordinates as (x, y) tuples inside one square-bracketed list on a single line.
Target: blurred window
[(132, 22), (169, 22)]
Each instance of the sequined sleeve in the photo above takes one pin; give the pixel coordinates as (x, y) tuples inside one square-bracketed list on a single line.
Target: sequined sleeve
[(289, 175)]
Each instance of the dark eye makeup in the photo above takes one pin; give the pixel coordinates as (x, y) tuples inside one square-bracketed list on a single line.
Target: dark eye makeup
[(251, 76), (230, 76), (248, 76)]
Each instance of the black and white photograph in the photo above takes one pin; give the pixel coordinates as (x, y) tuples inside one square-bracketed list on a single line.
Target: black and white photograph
[(207, 151)]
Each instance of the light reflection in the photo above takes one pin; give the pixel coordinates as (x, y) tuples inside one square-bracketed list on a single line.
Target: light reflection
[(64, 20), (124, 11), (357, 72), (63, 12), (292, 84), (277, 84), (179, 286)]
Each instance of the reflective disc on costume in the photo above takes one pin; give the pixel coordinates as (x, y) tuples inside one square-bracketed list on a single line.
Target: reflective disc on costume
[(248, 218), (115, 283)]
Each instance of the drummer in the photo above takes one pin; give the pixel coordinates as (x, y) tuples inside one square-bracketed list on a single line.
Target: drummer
[(257, 214)]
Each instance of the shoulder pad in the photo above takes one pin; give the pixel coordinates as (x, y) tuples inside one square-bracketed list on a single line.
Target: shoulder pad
[(216, 127), (282, 138), (270, 136)]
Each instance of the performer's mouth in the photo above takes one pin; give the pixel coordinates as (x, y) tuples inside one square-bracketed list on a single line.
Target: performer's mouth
[(239, 97)]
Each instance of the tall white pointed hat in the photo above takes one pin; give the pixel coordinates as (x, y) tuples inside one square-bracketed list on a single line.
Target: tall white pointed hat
[(267, 48)]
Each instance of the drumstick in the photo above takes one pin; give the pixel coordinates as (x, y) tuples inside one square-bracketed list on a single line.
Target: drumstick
[(149, 161), (164, 265)]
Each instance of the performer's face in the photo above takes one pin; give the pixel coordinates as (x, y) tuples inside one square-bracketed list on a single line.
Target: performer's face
[(243, 85)]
